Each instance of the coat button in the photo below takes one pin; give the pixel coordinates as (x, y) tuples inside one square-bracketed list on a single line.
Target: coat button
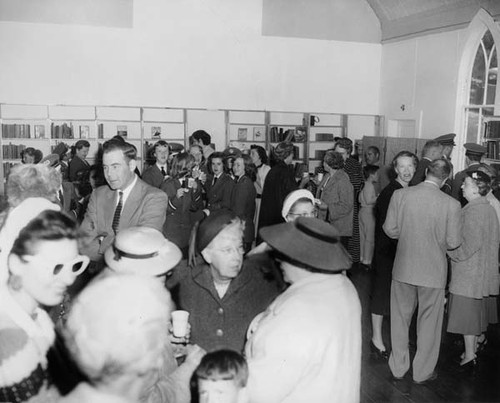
[(219, 332), (221, 311)]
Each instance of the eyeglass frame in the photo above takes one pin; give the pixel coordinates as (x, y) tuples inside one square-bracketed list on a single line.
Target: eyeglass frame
[(314, 214)]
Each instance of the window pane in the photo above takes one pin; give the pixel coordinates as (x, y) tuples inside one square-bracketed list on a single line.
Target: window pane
[(477, 79), (472, 125), (488, 42), (492, 78)]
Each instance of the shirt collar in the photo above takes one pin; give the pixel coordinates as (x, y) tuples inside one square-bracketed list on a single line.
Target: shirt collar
[(128, 189)]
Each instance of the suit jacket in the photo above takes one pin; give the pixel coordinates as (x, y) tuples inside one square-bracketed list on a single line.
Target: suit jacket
[(337, 193), (69, 203), (153, 176), (243, 205), (420, 172), (219, 195), (426, 223), (77, 165), (145, 206)]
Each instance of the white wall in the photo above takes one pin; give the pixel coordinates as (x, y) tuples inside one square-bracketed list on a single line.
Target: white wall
[(421, 74), (187, 53)]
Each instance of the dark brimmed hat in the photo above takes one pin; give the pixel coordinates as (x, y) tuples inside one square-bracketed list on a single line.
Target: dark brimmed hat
[(474, 149), (232, 152), (210, 227), (142, 251), (51, 160), (446, 139), (176, 148), (479, 176), (309, 241)]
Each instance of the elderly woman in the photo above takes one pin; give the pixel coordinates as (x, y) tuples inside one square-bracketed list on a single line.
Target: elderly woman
[(185, 205), (279, 182), (117, 341), (336, 194), (404, 165), (474, 271), (243, 197), (39, 260), (307, 345)]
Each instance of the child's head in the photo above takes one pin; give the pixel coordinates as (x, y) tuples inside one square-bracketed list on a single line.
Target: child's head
[(222, 377), (370, 172)]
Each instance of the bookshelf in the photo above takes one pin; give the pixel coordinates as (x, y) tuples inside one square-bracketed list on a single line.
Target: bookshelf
[(491, 139), (44, 126)]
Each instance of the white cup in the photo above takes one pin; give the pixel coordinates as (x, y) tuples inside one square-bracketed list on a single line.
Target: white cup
[(180, 323), (320, 176), (190, 182)]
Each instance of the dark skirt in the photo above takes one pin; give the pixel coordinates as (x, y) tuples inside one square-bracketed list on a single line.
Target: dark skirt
[(471, 316), (382, 263)]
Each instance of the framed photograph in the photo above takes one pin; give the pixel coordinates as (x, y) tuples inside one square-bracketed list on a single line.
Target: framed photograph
[(242, 134), (259, 133), (84, 132), (121, 130), (39, 131), (156, 132)]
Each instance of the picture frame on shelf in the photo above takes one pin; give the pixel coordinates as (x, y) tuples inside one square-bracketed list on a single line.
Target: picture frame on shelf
[(242, 134), (84, 132), (259, 133), (39, 131), (156, 132), (122, 131)]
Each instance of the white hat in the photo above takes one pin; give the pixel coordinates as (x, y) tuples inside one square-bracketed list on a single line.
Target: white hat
[(293, 197), (142, 251)]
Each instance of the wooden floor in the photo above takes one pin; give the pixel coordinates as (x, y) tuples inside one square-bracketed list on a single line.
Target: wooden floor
[(450, 386)]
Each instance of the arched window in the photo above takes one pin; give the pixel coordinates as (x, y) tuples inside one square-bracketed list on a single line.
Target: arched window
[(483, 82)]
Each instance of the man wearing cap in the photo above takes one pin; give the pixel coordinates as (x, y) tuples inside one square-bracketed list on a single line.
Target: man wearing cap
[(426, 223), (473, 155), (431, 151), (156, 173), (225, 292), (124, 202), (447, 141), (306, 347)]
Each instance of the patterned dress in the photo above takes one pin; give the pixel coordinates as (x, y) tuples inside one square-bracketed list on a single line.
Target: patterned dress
[(353, 169)]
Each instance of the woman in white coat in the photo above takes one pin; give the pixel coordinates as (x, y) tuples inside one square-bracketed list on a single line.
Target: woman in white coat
[(307, 345)]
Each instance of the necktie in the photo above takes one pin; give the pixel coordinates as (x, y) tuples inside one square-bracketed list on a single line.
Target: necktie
[(61, 197), (164, 173), (118, 212), (215, 181)]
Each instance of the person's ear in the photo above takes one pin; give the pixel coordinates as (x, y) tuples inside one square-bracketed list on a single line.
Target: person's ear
[(132, 164), (207, 255), (15, 264)]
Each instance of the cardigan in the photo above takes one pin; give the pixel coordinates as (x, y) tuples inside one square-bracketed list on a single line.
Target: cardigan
[(474, 268)]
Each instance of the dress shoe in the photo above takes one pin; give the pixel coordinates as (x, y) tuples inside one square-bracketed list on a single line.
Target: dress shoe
[(377, 353), (468, 368), (431, 378)]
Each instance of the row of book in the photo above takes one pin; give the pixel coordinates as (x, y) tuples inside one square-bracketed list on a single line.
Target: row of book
[(297, 135), (12, 151), (19, 131)]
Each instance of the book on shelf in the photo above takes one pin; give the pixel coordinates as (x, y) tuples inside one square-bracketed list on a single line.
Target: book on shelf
[(492, 129), (17, 131), (100, 131), (12, 151), (492, 150), (324, 136), (61, 131)]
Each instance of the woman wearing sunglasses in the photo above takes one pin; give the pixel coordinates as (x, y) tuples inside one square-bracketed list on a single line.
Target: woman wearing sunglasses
[(39, 260)]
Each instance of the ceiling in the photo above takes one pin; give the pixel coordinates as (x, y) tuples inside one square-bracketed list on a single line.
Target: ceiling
[(403, 18)]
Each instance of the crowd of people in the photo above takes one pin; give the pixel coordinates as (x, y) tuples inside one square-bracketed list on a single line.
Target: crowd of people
[(97, 260)]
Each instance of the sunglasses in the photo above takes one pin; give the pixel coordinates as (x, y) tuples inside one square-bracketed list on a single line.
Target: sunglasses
[(77, 265)]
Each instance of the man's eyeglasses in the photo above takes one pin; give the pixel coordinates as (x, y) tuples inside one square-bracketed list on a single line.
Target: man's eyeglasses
[(313, 213), (77, 265)]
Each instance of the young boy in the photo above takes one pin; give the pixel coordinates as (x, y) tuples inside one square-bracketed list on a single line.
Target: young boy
[(367, 199), (222, 378)]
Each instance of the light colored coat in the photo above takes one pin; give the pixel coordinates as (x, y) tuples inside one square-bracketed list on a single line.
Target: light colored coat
[(474, 270), (145, 206), (306, 347), (426, 222)]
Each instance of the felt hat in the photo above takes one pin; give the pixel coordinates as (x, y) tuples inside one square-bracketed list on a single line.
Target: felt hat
[(479, 176), (293, 197), (176, 148), (210, 227), (474, 149), (60, 149), (142, 251), (309, 241), (446, 139), (51, 160), (232, 152)]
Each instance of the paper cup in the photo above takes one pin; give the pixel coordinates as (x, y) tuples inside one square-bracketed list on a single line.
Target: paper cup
[(320, 177), (180, 323), (190, 182)]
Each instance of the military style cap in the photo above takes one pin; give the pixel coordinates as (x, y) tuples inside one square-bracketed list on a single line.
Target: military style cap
[(446, 139), (474, 149)]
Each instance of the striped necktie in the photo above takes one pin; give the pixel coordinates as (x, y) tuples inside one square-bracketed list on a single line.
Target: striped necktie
[(163, 171), (118, 212)]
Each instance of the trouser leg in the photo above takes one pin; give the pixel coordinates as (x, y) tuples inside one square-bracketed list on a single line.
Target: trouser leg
[(403, 303)]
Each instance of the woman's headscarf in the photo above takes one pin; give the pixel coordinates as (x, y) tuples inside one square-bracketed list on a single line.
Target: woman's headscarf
[(16, 220)]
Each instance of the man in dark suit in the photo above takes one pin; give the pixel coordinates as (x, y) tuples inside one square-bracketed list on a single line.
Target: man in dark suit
[(473, 155), (431, 151), (156, 173), (126, 201), (447, 141), (219, 185), (426, 222)]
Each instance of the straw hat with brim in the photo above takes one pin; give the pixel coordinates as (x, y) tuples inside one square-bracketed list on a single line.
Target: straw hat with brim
[(309, 241), (142, 251)]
